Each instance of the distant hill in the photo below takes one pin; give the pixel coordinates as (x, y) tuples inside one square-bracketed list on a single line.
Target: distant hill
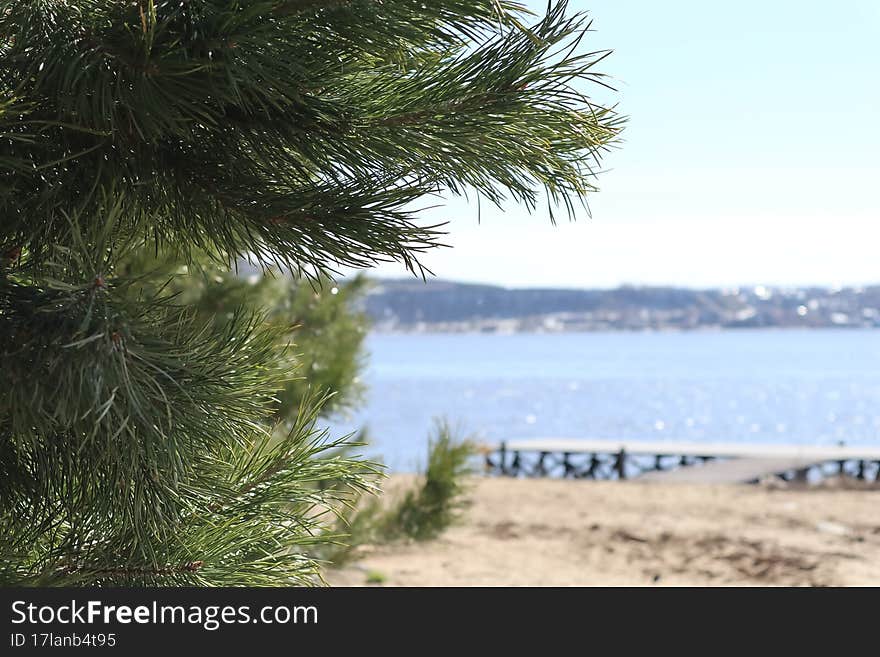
[(414, 305)]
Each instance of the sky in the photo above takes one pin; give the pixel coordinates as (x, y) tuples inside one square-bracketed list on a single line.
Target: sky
[(750, 156)]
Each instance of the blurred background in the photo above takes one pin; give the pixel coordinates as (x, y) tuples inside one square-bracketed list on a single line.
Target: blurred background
[(720, 287)]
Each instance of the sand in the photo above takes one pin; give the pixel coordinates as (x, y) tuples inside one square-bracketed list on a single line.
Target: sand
[(550, 532)]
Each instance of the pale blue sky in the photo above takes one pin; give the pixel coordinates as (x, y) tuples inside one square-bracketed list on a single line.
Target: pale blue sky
[(750, 156)]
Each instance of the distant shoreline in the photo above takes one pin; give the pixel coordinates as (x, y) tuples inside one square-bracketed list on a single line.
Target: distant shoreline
[(697, 329), (446, 307)]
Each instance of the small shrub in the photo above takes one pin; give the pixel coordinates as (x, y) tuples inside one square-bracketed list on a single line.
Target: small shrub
[(376, 577), (423, 512)]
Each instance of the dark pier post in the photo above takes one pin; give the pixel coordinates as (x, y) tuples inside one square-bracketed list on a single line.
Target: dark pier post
[(502, 457), (540, 470), (516, 465), (620, 464), (595, 462)]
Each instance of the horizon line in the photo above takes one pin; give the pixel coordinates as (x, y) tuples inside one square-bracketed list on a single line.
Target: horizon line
[(625, 285)]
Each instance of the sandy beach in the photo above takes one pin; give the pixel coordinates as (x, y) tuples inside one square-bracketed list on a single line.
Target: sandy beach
[(546, 532)]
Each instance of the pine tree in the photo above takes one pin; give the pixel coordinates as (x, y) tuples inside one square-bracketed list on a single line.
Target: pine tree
[(322, 333), (298, 134), (320, 325)]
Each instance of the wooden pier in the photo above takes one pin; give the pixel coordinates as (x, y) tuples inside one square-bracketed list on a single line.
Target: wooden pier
[(667, 460)]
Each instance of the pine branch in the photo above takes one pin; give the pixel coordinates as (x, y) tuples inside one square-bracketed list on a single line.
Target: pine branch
[(226, 121), (190, 567)]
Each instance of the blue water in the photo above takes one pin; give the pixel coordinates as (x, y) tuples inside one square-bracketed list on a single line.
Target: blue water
[(780, 386)]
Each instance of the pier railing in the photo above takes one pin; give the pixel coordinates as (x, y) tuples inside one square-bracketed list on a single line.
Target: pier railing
[(719, 462)]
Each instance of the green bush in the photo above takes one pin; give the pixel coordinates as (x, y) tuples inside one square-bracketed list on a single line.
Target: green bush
[(424, 511)]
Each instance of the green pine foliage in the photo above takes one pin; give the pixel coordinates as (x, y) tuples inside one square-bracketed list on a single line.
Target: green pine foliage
[(320, 328), (322, 333), (136, 438)]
